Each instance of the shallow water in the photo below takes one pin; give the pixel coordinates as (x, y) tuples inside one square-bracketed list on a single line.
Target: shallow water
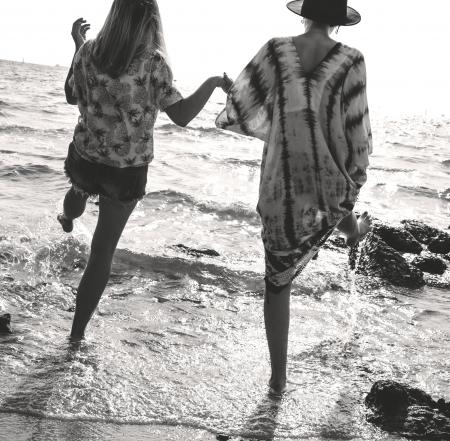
[(179, 340)]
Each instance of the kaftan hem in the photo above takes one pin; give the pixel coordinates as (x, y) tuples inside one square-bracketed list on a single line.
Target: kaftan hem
[(283, 267)]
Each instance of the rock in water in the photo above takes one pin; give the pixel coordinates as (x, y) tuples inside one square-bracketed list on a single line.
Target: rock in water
[(197, 252), (378, 259), (428, 235), (420, 230), (441, 244), (430, 264), (408, 411), (5, 324), (398, 238)]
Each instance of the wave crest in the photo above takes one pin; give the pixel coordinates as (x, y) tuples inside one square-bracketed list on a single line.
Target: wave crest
[(233, 211), (25, 130)]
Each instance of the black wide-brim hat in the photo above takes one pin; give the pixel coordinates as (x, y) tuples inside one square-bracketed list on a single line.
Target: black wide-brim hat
[(331, 12)]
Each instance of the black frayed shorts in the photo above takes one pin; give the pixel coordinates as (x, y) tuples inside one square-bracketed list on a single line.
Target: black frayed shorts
[(120, 184)]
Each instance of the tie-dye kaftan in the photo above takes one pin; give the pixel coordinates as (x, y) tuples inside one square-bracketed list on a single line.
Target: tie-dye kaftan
[(317, 138)]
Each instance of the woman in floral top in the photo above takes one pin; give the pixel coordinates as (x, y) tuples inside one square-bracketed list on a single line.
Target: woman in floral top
[(120, 81)]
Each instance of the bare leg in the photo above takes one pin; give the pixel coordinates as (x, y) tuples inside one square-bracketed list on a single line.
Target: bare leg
[(355, 229), (277, 316), (112, 219), (74, 206)]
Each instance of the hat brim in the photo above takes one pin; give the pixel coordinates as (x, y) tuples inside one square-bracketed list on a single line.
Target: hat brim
[(353, 16)]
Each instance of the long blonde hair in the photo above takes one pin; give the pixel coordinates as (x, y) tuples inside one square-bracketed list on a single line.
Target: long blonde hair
[(130, 28)]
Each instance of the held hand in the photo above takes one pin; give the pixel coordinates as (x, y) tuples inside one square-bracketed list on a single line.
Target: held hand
[(228, 82), (223, 82), (79, 29)]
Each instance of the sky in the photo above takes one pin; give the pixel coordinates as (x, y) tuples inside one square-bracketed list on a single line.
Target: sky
[(406, 49)]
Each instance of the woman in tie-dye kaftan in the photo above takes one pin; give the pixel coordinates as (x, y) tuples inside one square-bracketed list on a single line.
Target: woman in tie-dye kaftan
[(317, 140)]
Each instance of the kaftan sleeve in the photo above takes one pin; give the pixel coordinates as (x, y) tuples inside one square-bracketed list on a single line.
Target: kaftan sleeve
[(250, 101), (357, 127)]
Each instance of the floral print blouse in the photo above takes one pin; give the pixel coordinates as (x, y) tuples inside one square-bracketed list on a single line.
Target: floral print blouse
[(117, 116)]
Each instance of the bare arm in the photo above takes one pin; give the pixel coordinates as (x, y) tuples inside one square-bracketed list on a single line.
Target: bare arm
[(79, 29), (184, 111), (68, 90)]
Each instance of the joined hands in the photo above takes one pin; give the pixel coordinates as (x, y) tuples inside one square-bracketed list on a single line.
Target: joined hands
[(224, 82)]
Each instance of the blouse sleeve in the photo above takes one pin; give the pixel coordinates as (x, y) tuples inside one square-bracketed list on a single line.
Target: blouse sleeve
[(357, 127), (168, 93), (250, 101)]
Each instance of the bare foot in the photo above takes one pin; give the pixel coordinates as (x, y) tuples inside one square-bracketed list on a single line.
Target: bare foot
[(278, 392), (364, 226), (277, 388), (67, 224), (75, 343)]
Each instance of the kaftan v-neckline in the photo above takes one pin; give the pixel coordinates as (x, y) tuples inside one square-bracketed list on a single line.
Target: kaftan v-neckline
[(311, 73)]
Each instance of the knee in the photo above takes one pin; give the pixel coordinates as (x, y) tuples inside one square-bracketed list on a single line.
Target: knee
[(77, 195), (276, 294), (274, 289)]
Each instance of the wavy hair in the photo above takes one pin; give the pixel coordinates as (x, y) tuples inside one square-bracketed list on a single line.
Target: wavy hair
[(131, 27)]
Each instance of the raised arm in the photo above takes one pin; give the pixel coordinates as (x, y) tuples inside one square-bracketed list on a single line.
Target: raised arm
[(79, 29), (185, 110), (70, 98)]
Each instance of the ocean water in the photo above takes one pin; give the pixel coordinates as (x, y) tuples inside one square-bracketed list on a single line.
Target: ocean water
[(179, 339)]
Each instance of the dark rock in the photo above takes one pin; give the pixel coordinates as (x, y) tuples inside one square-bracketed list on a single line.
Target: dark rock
[(430, 264), (421, 231), (378, 259), (388, 397), (438, 241), (223, 438), (398, 238), (408, 411), (5, 324), (196, 252), (440, 244)]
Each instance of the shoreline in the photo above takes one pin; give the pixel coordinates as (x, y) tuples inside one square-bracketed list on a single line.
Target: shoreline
[(18, 427)]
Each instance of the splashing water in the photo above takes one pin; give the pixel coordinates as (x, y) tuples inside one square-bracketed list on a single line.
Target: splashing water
[(179, 340)]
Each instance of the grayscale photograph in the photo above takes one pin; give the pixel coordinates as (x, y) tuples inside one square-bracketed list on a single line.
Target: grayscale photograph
[(224, 221)]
